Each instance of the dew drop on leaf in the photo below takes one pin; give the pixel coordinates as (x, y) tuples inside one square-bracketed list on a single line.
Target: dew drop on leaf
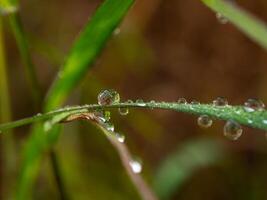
[(220, 101), (194, 102), (136, 166), (120, 137), (140, 102), (252, 105), (204, 121), (222, 19), (232, 130), (182, 101), (109, 126), (108, 97), (123, 111)]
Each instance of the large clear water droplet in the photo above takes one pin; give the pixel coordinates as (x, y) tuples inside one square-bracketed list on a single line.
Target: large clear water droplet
[(222, 19), (120, 137), (220, 101), (232, 130), (252, 105), (123, 111), (136, 166), (182, 101), (204, 121), (108, 97)]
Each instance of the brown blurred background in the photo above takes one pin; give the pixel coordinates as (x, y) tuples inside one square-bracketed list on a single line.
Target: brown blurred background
[(165, 50)]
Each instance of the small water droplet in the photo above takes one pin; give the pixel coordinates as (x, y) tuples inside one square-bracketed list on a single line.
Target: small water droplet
[(108, 97), (232, 130), (221, 18), (123, 111), (220, 101), (140, 102), (120, 137), (250, 121), (252, 105), (194, 102), (107, 115), (204, 121), (109, 126), (136, 166), (117, 31), (182, 101), (129, 101), (100, 116)]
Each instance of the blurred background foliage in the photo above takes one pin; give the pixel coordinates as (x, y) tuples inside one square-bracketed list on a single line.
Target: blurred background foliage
[(164, 50)]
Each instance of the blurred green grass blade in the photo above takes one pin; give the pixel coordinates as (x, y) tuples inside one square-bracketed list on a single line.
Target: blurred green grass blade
[(22, 42), (86, 48), (7, 142), (181, 164), (247, 23)]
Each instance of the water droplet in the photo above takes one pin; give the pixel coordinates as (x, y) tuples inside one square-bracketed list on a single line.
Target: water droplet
[(109, 126), (222, 19), (100, 116), (129, 101), (232, 130), (204, 121), (220, 101), (136, 166), (252, 105), (108, 97), (123, 111), (264, 121), (107, 115), (182, 101), (120, 137), (250, 121), (117, 31), (194, 102), (140, 102)]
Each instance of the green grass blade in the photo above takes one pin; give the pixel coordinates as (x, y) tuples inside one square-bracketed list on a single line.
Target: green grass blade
[(86, 49), (256, 119), (182, 163), (248, 24), (10, 8)]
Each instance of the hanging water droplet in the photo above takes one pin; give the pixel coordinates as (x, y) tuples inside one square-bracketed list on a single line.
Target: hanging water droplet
[(108, 97), (123, 111), (120, 137), (100, 116), (220, 101), (107, 115), (252, 105), (204, 121), (136, 166), (109, 126), (222, 19), (194, 102), (182, 101), (232, 130), (140, 102), (117, 31)]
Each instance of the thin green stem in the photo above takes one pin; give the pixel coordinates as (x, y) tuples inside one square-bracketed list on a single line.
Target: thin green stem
[(57, 174), (31, 75), (256, 119), (5, 115)]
